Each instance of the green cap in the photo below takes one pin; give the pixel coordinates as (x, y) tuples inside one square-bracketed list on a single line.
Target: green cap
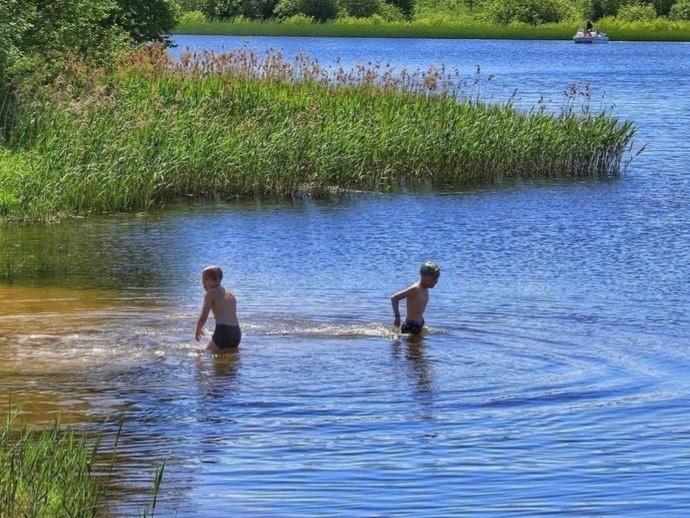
[(430, 268)]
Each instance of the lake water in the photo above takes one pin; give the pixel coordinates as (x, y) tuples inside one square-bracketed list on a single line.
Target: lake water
[(553, 379)]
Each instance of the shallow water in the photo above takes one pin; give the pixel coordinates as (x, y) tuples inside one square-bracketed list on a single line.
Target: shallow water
[(553, 378)]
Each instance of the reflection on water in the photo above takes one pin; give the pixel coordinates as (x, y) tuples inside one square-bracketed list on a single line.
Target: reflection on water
[(555, 364)]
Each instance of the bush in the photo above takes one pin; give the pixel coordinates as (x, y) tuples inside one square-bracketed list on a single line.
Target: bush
[(533, 12), (151, 20), (636, 12), (189, 5), (360, 8), (228, 9), (390, 13), (597, 9), (260, 9), (298, 19), (405, 6), (320, 10), (192, 17), (680, 11), (663, 7), (222, 9)]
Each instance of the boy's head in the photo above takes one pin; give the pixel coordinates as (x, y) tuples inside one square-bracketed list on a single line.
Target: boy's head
[(211, 276), (430, 272)]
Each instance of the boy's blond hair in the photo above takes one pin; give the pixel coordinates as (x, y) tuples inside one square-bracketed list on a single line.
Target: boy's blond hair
[(212, 272)]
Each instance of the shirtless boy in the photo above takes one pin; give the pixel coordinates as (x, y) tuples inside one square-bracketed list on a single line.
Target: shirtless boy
[(416, 297), (227, 334)]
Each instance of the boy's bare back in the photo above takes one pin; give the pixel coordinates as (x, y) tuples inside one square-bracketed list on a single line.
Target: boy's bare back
[(227, 333), (223, 305), (416, 298)]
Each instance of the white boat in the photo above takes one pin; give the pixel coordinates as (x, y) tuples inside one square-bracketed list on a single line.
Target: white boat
[(591, 36)]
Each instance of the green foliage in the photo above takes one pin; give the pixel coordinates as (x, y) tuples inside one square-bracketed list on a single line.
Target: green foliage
[(228, 9), (262, 9), (390, 13), (662, 7), (222, 9), (319, 10), (192, 17), (451, 9), (405, 6), (190, 5), (533, 12), (596, 9), (12, 26), (360, 8), (55, 28), (636, 12), (680, 11), (146, 20)]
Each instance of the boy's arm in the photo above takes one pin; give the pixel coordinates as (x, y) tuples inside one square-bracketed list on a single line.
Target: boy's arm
[(395, 302), (204, 315)]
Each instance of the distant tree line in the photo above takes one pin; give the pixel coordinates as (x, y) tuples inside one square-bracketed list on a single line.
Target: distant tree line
[(319, 10)]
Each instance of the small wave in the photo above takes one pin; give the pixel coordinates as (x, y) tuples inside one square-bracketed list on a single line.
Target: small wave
[(303, 328)]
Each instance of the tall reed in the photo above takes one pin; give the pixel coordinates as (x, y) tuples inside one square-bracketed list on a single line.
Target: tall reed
[(56, 472), (660, 29), (47, 473), (249, 124)]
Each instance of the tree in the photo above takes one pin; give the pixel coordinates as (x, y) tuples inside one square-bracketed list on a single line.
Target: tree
[(636, 12), (596, 9), (226, 9), (320, 10), (145, 20), (663, 7), (406, 6), (533, 12), (12, 26), (44, 33), (360, 8), (680, 11)]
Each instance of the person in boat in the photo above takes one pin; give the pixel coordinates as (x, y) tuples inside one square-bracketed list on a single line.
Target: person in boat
[(416, 298), (222, 302), (589, 27)]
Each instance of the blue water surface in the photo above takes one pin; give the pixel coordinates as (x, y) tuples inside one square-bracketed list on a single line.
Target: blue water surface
[(554, 377)]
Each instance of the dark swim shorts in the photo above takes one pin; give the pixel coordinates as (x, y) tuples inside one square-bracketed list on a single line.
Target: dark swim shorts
[(412, 327), (226, 336)]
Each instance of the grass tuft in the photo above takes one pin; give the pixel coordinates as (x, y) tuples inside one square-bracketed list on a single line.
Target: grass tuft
[(46, 473)]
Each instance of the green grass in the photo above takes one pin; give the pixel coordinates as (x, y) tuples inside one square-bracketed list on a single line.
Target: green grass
[(48, 473), (56, 473), (658, 30), (244, 124)]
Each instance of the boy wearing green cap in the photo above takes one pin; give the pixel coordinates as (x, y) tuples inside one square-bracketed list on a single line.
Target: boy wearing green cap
[(416, 298)]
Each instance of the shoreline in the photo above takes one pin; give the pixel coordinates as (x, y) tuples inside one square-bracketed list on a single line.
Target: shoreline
[(674, 32)]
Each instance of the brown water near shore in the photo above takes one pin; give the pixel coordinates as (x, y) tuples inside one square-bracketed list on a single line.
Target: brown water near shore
[(53, 341)]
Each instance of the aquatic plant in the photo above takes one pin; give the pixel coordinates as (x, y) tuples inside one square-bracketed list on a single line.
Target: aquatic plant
[(248, 124), (56, 472), (47, 473), (660, 29)]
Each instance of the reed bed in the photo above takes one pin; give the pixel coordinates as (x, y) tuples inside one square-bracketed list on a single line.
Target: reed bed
[(465, 29), (657, 30), (248, 124)]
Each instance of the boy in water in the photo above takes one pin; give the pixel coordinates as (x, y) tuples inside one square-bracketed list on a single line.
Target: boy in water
[(227, 334), (416, 297)]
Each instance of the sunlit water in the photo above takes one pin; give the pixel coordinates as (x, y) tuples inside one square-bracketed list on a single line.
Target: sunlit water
[(553, 378)]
